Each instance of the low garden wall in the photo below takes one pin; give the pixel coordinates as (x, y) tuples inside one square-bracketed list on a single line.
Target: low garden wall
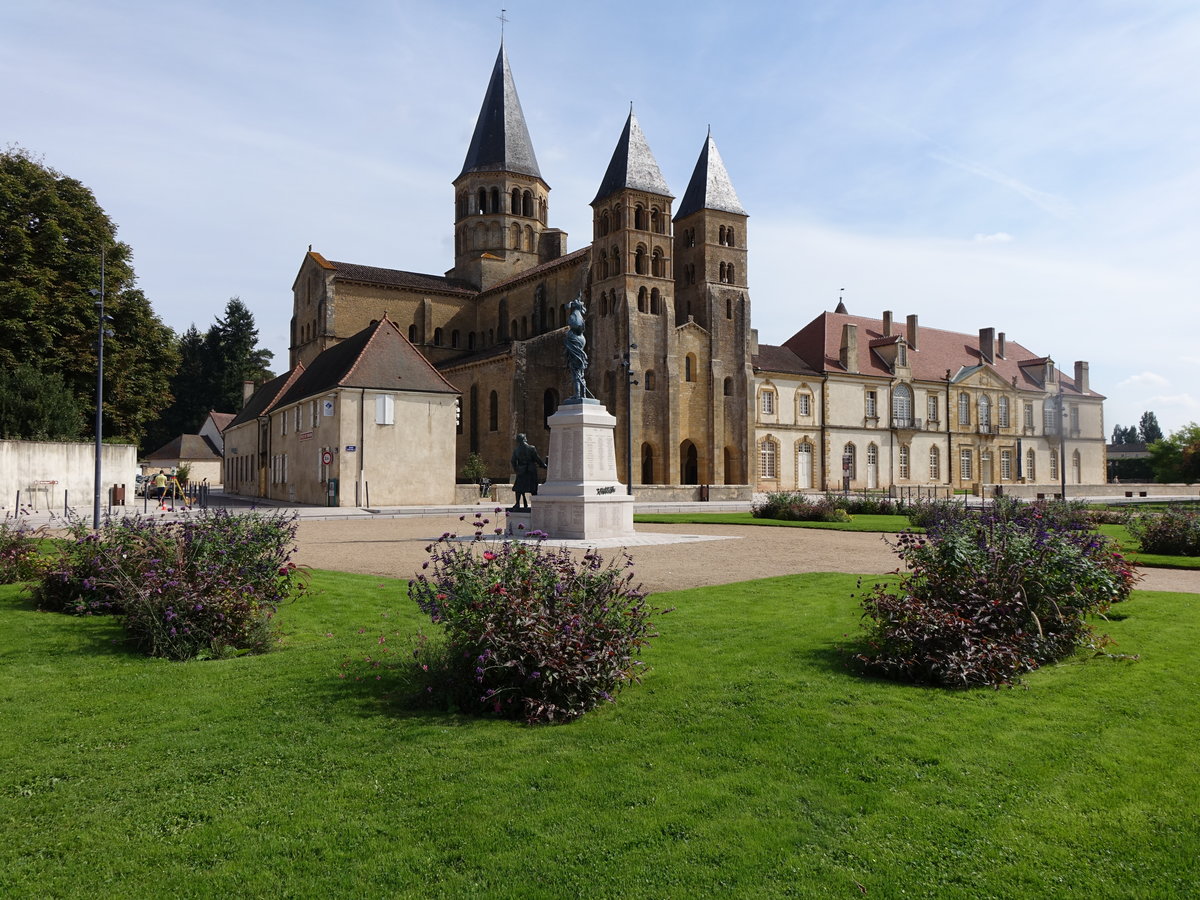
[(48, 473), (1116, 491)]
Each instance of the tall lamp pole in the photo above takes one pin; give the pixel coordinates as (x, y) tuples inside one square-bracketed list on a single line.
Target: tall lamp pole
[(1062, 441), (626, 365), (102, 332)]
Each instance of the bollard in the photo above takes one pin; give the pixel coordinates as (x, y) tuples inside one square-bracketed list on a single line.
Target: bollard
[(66, 494)]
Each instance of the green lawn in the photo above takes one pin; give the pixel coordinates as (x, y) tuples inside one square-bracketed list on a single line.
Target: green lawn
[(1129, 546), (749, 764), (857, 523)]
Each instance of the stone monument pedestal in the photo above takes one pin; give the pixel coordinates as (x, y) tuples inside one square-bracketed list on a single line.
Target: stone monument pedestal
[(582, 499)]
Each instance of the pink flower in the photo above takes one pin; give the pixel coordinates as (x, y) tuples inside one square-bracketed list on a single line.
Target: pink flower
[(489, 555)]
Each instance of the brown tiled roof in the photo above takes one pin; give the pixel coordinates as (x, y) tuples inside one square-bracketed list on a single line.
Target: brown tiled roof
[(818, 343), (263, 400), (186, 446), (379, 358), (780, 359), (221, 420), (397, 278)]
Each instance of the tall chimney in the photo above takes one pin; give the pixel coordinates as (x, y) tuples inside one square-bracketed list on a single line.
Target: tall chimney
[(1000, 345), (848, 356), (912, 332), (887, 323), (247, 391), (987, 344), (1081, 376)]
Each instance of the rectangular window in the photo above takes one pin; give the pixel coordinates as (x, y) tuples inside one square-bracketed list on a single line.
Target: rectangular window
[(1029, 417), (805, 405), (964, 464), (931, 407), (766, 458), (1006, 465), (1003, 412), (1049, 418), (964, 409), (768, 403), (298, 413), (1074, 419), (904, 461), (315, 419), (285, 472), (283, 424), (1054, 465), (935, 464), (872, 405), (385, 409)]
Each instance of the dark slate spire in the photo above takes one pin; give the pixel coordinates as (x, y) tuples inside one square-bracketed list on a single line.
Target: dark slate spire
[(632, 165), (710, 187), (501, 140)]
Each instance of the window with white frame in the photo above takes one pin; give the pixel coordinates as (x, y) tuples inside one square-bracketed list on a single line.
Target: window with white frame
[(902, 406), (964, 408), (1029, 416), (985, 412), (901, 354), (804, 404), (767, 402), (1054, 465), (931, 407), (850, 461), (935, 464), (1006, 465), (1002, 412), (903, 462), (385, 409), (1049, 417), (1030, 467), (965, 458), (872, 405), (768, 459)]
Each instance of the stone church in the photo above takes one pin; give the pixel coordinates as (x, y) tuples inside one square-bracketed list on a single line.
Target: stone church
[(668, 324)]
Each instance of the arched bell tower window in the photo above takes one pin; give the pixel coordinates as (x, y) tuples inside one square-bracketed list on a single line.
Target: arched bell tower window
[(515, 203), (642, 299), (658, 265), (527, 204), (495, 200), (639, 260)]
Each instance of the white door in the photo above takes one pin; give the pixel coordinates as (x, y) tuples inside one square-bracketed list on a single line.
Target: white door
[(804, 466), (872, 467)]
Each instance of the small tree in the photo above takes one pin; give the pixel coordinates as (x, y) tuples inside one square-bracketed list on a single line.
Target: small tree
[(1148, 428), (474, 469), (1177, 458)]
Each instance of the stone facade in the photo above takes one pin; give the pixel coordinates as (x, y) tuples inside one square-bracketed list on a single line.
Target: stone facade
[(493, 325), (857, 401)]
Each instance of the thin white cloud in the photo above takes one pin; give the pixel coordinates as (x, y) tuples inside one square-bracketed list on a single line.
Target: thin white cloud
[(1056, 206), (1000, 237), (1145, 380)]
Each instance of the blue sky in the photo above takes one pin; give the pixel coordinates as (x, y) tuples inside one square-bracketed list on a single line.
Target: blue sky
[(1030, 166)]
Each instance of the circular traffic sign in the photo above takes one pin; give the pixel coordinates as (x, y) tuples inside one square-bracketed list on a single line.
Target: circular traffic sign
[(326, 457)]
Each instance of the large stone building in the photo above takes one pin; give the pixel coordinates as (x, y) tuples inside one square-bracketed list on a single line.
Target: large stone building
[(847, 400), (669, 282), (868, 403)]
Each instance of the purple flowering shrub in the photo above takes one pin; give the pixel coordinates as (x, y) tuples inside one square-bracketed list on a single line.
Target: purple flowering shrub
[(527, 632), (793, 506), (1174, 532), (990, 596), (20, 552), (208, 586)]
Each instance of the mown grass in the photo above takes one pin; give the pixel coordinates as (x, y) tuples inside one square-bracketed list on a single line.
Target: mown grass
[(881, 523), (749, 764), (1129, 546)]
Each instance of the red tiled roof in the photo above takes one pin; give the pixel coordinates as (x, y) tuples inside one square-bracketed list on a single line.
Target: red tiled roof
[(819, 343)]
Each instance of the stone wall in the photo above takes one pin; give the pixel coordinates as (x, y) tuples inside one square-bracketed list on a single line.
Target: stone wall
[(42, 471)]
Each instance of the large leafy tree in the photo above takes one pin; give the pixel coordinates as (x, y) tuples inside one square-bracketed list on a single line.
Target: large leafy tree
[(52, 236), (1177, 458), (37, 406)]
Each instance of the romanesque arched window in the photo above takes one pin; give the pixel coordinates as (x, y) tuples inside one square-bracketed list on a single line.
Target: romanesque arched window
[(493, 412), (454, 338), (437, 337), (639, 217), (515, 202), (604, 223), (655, 301), (689, 367), (729, 278), (527, 204), (639, 260), (481, 202), (616, 261), (727, 387), (495, 207), (642, 299), (721, 236), (658, 264), (729, 240), (515, 236)]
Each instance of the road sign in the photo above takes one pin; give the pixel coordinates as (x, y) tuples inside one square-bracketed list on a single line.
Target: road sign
[(326, 457)]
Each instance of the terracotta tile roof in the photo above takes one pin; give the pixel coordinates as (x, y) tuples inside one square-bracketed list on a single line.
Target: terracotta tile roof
[(819, 342), (397, 278), (379, 357), (780, 359)]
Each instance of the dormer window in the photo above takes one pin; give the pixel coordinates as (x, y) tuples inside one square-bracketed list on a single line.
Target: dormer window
[(901, 354)]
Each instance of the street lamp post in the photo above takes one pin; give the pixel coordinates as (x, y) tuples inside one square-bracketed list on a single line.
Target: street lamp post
[(102, 332), (1062, 441), (627, 366)]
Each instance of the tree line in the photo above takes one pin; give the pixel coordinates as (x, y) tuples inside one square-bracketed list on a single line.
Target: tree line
[(53, 237)]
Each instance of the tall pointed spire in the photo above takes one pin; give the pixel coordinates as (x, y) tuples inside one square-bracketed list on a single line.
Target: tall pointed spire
[(632, 165), (710, 187), (501, 139)]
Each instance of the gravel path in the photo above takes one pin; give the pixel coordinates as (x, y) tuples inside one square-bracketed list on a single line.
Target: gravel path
[(396, 547)]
